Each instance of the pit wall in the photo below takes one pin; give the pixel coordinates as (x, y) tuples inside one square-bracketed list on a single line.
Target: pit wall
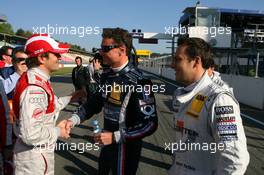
[(247, 90)]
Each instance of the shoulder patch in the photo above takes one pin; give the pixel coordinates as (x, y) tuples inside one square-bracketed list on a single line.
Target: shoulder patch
[(196, 105)]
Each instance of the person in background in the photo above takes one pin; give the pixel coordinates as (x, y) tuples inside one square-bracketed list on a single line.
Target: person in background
[(80, 74), (5, 56), (93, 69), (80, 77), (9, 77), (5, 128)]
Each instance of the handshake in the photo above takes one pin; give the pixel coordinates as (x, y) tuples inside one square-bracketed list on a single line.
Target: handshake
[(103, 138), (65, 128)]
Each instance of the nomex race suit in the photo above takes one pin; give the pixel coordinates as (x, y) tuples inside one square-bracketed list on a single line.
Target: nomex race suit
[(130, 114)]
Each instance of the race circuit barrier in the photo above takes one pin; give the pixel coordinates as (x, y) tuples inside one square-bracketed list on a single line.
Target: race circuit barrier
[(247, 90)]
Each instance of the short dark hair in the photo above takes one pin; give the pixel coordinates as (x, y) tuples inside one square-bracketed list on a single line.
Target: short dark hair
[(211, 63), (34, 62), (16, 50), (197, 47), (78, 57), (4, 50), (120, 36)]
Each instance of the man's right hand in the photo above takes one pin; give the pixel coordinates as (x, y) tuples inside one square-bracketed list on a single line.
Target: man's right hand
[(69, 125), (96, 64), (64, 130)]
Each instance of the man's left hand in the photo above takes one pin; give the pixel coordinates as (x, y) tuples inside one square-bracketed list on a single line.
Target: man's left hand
[(104, 138)]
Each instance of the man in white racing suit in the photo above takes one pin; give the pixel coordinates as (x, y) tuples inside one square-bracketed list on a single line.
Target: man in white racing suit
[(210, 138), (36, 109)]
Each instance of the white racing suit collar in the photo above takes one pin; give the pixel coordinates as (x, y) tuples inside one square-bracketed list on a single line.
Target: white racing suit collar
[(41, 73), (193, 88), (215, 74)]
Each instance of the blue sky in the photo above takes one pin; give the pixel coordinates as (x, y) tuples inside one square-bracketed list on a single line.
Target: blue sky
[(147, 15)]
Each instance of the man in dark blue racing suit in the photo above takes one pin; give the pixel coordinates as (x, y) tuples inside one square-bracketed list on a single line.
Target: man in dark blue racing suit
[(128, 106)]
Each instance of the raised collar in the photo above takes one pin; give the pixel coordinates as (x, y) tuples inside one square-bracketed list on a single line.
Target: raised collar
[(117, 69), (194, 88), (41, 73)]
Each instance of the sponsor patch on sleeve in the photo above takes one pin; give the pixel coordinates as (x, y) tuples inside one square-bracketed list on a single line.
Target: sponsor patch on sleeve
[(228, 137), (227, 131), (219, 110), (227, 119), (231, 127)]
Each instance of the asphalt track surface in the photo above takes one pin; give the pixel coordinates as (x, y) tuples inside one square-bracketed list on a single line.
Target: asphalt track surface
[(78, 155)]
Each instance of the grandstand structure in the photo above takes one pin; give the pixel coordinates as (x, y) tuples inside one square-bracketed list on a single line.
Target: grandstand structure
[(237, 39)]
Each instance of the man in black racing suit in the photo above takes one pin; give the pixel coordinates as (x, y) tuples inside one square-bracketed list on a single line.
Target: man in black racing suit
[(128, 107)]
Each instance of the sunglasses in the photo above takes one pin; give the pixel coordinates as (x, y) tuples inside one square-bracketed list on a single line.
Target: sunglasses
[(57, 55), (108, 48), (21, 59)]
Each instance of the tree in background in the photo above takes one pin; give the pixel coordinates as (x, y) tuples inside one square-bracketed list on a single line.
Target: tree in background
[(28, 33), (76, 47), (6, 28), (21, 32)]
